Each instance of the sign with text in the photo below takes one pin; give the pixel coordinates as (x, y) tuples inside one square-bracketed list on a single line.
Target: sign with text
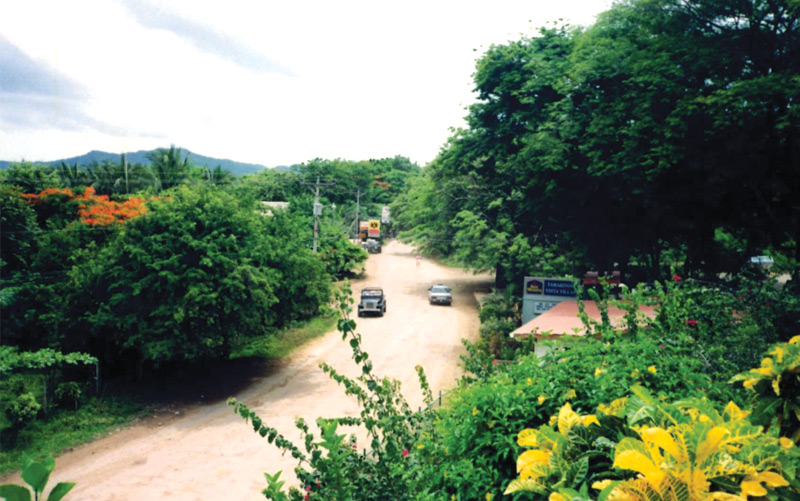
[(549, 287), (374, 228), (542, 293)]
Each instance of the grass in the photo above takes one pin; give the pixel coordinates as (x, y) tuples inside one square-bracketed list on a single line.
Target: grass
[(67, 428), (282, 344)]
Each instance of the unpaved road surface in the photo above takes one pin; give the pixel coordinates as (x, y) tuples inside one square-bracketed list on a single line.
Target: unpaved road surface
[(206, 452)]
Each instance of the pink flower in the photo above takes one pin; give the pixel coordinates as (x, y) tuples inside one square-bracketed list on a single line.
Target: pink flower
[(676, 278), (355, 447), (495, 362), (308, 487), (405, 452), (691, 323), (662, 346)]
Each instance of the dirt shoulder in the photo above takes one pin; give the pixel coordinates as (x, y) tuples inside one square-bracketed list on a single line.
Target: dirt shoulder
[(196, 448)]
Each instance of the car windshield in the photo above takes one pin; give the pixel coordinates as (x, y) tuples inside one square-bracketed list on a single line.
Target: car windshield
[(371, 293), (440, 289)]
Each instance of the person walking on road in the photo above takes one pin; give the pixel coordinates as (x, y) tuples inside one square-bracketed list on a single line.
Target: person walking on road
[(419, 258)]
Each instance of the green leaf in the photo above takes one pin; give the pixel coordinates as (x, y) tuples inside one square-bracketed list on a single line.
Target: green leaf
[(60, 490), (36, 475), (11, 492)]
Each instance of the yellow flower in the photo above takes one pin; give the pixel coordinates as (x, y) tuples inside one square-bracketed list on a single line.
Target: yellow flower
[(751, 485), (475, 411), (541, 399), (589, 419), (602, 484), (635, 373), (750, 383), (598, 371), (420, 446), (779, 352), (453, 497), (554, 496), (529, 381), (571, 394), (794, 340), (489, 496), (519, 392), (786, 443), (553, 420), (652, 369)]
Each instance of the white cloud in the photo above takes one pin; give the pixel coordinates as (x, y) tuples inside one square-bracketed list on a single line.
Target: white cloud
[(279, 83)]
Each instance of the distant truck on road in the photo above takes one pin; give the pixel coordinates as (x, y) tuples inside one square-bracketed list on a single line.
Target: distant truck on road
[(373, 300)]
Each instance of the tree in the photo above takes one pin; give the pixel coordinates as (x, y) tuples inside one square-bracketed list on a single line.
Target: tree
[(169, 167), (18, 231), (661, 127), (30, 177), (190, 278)]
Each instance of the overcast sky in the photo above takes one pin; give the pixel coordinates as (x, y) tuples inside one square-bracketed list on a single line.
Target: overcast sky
[(260, 81)]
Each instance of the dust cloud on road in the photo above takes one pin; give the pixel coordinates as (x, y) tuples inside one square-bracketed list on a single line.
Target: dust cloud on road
[(207, 452)]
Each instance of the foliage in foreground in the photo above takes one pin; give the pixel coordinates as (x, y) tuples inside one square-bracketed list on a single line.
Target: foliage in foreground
[(35, 474), (692, 449), (641, 448), (331, 466)]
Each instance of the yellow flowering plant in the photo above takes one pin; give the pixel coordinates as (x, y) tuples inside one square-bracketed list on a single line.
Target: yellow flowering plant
[(640, 448), (775, 389), (562, 457)]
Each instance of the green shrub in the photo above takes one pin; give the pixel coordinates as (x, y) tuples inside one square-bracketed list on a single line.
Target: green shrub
[(331, 467), (642, 448), (22, 409)]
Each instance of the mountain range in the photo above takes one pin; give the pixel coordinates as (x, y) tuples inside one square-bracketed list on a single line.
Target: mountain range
[(140, 157)]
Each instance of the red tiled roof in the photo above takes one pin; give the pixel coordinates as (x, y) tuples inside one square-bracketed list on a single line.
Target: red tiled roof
[(563, 319)]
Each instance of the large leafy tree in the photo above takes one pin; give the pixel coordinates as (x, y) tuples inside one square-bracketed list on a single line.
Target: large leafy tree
[(29, 177), (663, 124), (182, 282)]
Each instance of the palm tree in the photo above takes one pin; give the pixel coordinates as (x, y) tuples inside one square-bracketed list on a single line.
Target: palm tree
[(107, 177), (218, 175), (72, 176), (168, 168)]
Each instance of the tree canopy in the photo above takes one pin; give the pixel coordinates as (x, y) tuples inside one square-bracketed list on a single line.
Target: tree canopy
[(662, 126)]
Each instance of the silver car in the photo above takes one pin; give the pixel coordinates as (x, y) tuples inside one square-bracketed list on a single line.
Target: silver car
[(440, 294)]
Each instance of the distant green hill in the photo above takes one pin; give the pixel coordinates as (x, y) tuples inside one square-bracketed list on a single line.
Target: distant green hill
[(140, 157)]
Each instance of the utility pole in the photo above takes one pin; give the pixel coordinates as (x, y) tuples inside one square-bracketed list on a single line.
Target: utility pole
[(355, 220), (317, 212)]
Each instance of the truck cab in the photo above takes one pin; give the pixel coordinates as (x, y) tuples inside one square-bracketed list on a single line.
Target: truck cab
[(373, 300)]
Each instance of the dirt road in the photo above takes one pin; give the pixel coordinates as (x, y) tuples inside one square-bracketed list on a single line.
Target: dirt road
[(206, 452)]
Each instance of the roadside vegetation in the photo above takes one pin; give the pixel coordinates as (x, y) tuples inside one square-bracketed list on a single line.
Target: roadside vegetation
[(116, 274), (661, 141)]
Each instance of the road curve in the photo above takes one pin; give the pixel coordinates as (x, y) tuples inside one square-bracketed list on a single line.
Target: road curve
[(207, 452)]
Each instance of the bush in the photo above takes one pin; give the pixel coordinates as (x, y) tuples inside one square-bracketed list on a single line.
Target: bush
[(22, 409), (643, 448), (390, 465)]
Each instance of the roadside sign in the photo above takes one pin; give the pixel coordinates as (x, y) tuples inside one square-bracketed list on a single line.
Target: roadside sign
[(542, 293), (374, 228)]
